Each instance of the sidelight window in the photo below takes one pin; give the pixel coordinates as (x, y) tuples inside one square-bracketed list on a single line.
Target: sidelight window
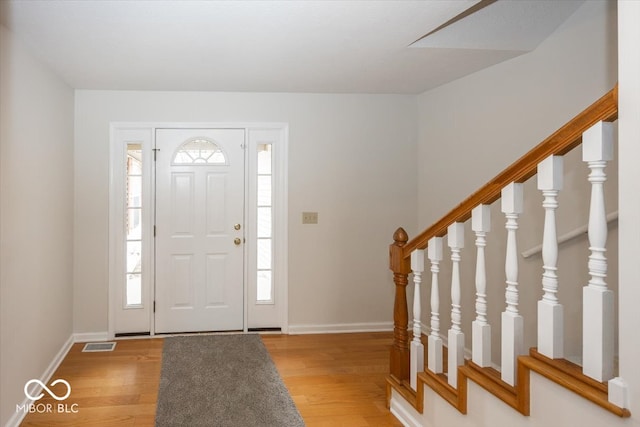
[(133, 221), (265, 224)]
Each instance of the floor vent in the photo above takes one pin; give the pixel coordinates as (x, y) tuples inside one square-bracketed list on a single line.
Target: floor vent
[(99, 346)]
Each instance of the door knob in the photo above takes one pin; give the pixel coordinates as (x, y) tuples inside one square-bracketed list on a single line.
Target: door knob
[(237, 226), (237, 241)]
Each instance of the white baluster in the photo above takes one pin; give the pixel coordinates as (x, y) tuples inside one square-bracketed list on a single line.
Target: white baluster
[(598, 316), (550, 312), (417, 349), (434, 347), (481, 330), (455, 238), (512, 322)]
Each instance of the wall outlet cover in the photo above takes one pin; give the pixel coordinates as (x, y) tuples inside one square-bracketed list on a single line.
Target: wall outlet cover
[(309, 217)]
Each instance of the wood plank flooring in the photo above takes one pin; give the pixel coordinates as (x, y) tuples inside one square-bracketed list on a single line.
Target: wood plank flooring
[(334, 379), (118, 388)]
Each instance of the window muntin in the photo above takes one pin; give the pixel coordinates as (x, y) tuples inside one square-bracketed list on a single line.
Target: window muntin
[(199, 151)]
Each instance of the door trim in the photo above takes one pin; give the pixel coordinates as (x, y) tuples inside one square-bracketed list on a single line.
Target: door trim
[(120, 133)]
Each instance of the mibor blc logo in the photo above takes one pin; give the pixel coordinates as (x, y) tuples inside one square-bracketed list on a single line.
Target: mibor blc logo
[(48, 408)]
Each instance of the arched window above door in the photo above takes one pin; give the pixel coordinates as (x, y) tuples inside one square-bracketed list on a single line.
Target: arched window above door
[(199, 151)]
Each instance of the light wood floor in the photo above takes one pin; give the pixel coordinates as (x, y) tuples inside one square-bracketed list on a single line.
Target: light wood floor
[(118, 388), (334, 379)]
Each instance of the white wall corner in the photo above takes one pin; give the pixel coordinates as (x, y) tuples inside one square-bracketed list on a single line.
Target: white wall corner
[(628, 202), (18, 416)]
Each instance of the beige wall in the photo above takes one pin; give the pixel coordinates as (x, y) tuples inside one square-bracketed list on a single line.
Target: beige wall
[(36, 219), (474, 127), (350, 159)]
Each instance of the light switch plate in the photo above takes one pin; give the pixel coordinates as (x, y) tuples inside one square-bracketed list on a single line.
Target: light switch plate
[(309, 217)]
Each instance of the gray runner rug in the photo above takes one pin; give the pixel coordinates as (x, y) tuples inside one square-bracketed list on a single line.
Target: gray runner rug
[(222, 380)]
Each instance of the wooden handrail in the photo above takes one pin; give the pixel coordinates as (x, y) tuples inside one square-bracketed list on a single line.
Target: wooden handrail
[(561, 142)]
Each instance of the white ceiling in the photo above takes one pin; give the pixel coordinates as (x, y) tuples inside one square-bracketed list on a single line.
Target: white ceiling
[(276, 46)]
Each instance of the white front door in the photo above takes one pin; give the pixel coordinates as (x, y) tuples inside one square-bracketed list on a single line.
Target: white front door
[(199, 246)]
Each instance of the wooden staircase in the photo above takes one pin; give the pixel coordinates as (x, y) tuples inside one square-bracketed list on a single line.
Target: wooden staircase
[(425, 360)]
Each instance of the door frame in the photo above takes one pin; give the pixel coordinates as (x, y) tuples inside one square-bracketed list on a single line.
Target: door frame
[(144, 133)]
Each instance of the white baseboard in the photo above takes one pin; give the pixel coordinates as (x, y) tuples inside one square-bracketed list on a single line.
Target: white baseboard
[(17, 416), (402, 414), (340, 328), (90, 336)]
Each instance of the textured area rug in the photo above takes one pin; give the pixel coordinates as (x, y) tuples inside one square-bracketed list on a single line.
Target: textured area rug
[(222, 380)]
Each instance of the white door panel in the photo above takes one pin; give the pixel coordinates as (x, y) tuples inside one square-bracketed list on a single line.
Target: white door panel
[(199, 206)]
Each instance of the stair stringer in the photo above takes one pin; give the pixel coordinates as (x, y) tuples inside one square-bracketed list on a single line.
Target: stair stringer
[(551, 405), (561, 371)]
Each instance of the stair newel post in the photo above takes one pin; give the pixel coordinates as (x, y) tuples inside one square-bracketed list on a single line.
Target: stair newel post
[(481, 330), (434, 347), (550, 311), (400, 266), (455, 239), (598, 316), (512, 321), (417, 348)]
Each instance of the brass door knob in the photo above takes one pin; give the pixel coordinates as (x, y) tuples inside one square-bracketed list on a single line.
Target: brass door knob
[(237, 241)]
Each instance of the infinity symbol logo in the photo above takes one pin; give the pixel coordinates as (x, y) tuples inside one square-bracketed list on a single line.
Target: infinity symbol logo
[(44, 386)]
